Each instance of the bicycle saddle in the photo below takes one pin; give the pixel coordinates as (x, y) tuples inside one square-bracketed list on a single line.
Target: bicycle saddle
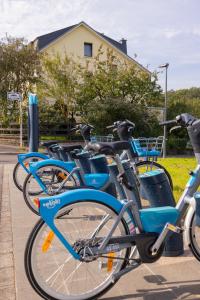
[(108, 148), (49, 143), (69, 148)]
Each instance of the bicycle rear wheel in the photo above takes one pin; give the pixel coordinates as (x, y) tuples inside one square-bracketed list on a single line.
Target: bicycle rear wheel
[(54, 273), (19, 173), (52, 178)]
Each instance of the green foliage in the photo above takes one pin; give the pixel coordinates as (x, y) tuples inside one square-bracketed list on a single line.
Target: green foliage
[(59, 82), (182, 101), (114, 91), (19, 71), (177, 145), (102, 92)]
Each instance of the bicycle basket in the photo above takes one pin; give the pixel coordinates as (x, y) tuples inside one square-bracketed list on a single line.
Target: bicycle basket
[(148, 147)]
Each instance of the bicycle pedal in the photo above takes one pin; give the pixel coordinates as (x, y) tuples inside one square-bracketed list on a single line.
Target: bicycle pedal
[(173, 228), (128, 269)]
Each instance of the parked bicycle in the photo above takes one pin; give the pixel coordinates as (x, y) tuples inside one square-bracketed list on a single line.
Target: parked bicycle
[(54, 151), (41, 180), (82, 254)]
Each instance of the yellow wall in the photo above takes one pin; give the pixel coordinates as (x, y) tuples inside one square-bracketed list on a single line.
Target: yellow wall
[(72, 44)]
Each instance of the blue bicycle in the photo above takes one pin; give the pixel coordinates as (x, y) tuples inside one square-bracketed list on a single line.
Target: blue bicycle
[(87, 239), (50, 177), (54, 151)]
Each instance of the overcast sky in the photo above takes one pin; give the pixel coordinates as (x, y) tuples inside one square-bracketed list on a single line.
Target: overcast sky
[(158, 31)]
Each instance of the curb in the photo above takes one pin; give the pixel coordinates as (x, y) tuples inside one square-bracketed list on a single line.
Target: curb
[(9, 153)]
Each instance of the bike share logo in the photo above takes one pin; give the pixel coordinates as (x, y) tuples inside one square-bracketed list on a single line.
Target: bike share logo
[(51, 203)]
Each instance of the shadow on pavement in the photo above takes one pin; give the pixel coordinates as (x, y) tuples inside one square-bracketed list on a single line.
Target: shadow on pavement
[(187, 290)]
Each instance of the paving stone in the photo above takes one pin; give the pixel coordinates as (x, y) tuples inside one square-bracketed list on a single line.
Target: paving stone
[(7, 274), (6, 260), (5, 236), (6, 247), (6, 277), (7, 293), (5, 221)]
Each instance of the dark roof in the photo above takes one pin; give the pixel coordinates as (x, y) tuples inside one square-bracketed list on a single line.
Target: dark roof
[(113, 42), (46, 39)]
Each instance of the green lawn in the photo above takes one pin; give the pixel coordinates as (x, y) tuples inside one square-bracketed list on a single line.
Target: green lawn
[(52, 138), (179, 170)]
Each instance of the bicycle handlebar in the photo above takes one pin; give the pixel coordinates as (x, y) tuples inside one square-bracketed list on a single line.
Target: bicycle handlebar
[(169, 122), (80, 127), (117, 124)]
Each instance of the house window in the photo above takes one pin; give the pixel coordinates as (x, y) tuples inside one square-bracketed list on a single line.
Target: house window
[(88, 49)]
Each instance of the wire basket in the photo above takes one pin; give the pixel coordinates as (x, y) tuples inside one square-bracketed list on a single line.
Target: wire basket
[(148, 147), (102, 138)]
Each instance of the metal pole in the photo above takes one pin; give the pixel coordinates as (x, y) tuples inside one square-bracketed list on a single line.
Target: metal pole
[(21, 125), (165, 110)]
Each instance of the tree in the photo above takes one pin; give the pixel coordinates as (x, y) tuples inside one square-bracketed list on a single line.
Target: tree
[(19, 71), (102, 91), (59, 82), (114, 90), (182, 101)]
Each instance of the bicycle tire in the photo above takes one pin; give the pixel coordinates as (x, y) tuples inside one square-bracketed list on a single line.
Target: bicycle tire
[(194, 247), (31, 250), (16, 170), (26, 193)]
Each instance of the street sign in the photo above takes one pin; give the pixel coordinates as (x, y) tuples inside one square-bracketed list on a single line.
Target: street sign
[(14, 96)]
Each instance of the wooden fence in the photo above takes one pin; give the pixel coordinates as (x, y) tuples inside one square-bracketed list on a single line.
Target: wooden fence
[(11, 134)]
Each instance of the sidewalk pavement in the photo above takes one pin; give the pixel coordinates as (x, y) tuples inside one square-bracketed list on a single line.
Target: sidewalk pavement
[(168, 279)]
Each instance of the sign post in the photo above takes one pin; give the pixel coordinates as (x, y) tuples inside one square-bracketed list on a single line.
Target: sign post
[(14, 96), (33, 121), (21, 126)]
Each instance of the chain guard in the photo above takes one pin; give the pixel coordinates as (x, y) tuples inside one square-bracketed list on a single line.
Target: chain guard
[(145, 252)]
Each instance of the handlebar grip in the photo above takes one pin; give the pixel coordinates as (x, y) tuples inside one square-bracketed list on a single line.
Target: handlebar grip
[(170, 122), (72, 130)]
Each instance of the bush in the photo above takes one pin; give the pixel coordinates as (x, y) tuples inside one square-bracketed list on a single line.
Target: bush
[(177, 145)]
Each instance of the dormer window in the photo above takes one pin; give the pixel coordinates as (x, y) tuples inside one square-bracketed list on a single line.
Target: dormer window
[(88, 49)]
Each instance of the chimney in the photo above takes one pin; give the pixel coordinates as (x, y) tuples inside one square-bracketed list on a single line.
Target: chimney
[(124, 45)]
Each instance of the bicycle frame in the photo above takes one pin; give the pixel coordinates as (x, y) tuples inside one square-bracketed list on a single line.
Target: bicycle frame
[(22, 157), (94, 180), (68, 166), (50, 206)]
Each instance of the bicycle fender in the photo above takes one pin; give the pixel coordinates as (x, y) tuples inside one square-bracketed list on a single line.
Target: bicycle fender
[(23, 156), (68, 166), (194, 208), (49, 207), (187, 224)]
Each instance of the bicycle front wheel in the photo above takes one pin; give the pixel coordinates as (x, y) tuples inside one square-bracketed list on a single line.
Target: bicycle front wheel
[(194, 233), (51, 269)]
